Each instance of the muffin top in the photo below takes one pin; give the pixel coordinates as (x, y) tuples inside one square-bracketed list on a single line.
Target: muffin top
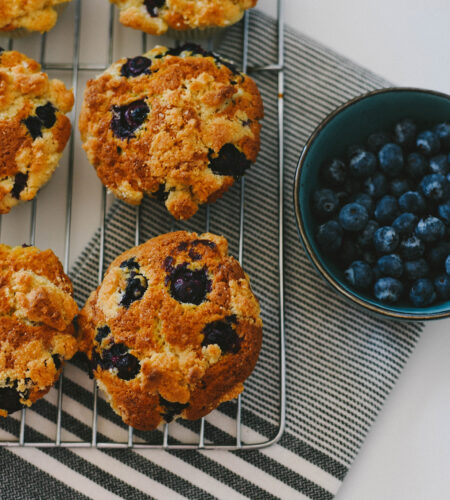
[(32, 15), (33, 127), (180, 124), (36, 330), (174, 329), (157, 16)]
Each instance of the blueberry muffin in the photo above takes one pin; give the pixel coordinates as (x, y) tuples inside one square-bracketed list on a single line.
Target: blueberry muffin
[(173, 330), (33, 127), (178, 124), (29, 15), (36, 330), (156, 17)]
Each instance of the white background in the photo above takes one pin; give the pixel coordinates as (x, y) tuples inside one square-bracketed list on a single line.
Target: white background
[(407, 454)]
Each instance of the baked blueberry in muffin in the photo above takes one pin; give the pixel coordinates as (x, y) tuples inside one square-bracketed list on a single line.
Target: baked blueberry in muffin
[(29, 15), (36, 325), (157, 16), (187, 339), (33, 127), (177, 124)]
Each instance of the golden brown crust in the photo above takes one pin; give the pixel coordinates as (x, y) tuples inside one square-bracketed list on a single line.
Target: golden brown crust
[(36, 331), (27, 161), (32, 15), (181, 14), (196, 105), (182, 369)]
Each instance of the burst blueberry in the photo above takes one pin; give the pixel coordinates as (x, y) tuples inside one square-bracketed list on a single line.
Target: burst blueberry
[(388, 290), (20, 183), (391, 159), (153, 6), (136, 66), (422, 293), (34, 126), (222, 334), (386, 210), (128, 118), (229, 161), (353, 217), (189, 286), (136, 286), (171, 409), (359, 275), (427, 143), (10, 399), (386, 240)]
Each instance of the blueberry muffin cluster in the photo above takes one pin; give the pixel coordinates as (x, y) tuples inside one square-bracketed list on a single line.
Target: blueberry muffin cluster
[(383, 215), (33, 127), (178, 124), (31, 15), (173, 330), (157, 16), (36, 330)]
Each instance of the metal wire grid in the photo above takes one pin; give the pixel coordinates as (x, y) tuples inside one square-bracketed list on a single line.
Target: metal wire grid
[(75, 67)]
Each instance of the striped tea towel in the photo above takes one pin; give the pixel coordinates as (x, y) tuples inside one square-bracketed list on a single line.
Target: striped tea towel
[(341, 364)]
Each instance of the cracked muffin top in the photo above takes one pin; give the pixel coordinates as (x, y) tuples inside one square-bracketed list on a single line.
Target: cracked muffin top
[(173, 330), (179, 124), (157, 16), (36, 331), (33, 127), (32, 15)]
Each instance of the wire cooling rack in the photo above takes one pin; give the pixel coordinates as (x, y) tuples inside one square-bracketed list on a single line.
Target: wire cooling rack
[(76, 69)]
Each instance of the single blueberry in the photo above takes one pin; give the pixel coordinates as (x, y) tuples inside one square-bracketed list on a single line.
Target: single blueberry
[(128, 118), (376, 186), (437, 254), (388, 290), (222, 334), (427, 143), (189, 286), (34, 126), (415, 269), (416, 165), (229, 161), (136, 66), (363, 165), (439, 165), (354, 149), (391, 159), (171, 409), (135, 289), (444, 211), (365, 200), (422, 293), (359, 275), (442, 286), (386, 240), (447, 264), (412, 202), (324, 203), (412, 248), (47, 114), (377, 140), (390, 265), (405, 223), (20, 183), (117, 356), (399, 186), (405, 132), (386, 210), (334, 172), (365, 237), (153, 6), (430, 229), (353, 217), (442, 130), (329, 237), (10, 399)]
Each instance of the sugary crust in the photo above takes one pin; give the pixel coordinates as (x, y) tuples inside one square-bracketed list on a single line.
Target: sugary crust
[(196, 106), (23, 89), (36, 313), (182, 14), (166, 335), (32, 15)]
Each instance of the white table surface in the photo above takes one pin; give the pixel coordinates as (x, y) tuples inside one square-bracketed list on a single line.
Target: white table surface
[(407, 453)]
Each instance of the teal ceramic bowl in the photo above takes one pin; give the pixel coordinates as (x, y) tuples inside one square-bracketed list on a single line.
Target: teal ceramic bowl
[(350, 124)]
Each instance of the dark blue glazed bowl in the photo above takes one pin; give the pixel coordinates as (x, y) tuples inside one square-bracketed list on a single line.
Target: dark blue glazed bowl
[(350, 124)]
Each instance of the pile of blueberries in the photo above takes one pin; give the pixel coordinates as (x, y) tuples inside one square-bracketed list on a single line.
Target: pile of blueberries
[(384, 214)]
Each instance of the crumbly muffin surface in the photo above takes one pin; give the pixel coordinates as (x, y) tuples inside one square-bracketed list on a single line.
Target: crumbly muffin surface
[(32, 15), (33, 127), (36, 330), (157, 16), (173, 330), (179, 124)]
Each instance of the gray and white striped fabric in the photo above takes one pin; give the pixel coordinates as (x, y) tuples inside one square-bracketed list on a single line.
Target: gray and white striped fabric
[(341, 364)]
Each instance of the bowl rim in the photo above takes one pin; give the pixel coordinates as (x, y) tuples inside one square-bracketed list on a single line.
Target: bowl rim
[(378, 309)]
